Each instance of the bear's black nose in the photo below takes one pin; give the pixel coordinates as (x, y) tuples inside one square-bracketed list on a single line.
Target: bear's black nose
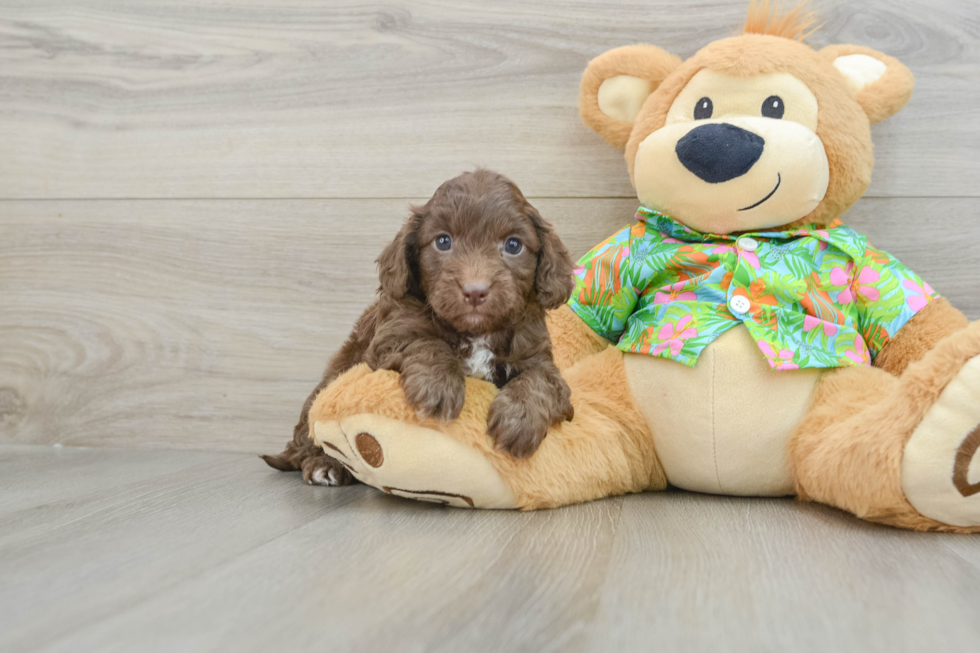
[(719, 151)]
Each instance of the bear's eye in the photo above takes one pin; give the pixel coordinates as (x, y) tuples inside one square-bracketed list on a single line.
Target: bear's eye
[(703, 109), (773, 107), (443, 242), (513, 246)]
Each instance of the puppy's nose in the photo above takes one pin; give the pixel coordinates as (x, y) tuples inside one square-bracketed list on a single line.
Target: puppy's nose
[(719, 151), (475, 293)]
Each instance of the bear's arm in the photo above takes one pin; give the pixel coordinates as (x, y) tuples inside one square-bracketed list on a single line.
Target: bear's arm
[(934, 322)]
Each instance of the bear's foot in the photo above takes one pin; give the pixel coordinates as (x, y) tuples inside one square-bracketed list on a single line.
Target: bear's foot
[(413, 461), (941, 463)]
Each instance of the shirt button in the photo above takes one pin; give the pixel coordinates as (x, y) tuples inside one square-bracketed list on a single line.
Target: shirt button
[(747, 244), (739, 304)]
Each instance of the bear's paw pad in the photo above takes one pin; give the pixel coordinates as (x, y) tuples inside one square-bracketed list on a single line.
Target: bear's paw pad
[(941, 464)]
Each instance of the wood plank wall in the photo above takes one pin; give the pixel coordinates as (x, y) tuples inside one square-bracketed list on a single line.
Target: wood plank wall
[(192, 196)]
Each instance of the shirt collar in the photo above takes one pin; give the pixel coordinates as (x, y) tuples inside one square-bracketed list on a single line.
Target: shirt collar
[(668, 225)]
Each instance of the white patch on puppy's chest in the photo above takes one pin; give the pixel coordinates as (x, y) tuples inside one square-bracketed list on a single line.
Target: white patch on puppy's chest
[(479, 363)]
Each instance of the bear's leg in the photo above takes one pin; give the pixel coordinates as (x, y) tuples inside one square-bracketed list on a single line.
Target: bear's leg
[(571, 339), (606, 450), (362, 419), (904, 450)]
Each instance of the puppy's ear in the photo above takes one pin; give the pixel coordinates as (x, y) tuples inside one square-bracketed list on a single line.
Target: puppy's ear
[(398, 264), (553, 281)]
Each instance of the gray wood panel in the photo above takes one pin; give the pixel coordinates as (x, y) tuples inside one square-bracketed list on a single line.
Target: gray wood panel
[(93, 550), (237, 98), (205, 323), (80, 470), (738, 574), (222, 553)]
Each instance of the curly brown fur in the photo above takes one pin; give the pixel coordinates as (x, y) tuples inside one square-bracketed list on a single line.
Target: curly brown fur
[(459, 298)]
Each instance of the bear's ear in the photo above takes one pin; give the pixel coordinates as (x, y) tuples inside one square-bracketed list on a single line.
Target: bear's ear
[(882, 84), (615, 85)]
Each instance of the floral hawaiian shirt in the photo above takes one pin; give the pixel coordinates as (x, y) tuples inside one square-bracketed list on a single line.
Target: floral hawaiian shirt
[(810, 297)]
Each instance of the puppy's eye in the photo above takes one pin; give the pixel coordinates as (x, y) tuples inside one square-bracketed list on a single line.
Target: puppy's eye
[(513, 246), (773, 107), (703, 109), (444, 243)]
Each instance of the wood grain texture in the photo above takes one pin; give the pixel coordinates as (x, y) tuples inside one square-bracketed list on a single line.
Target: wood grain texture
[(251, 98), (98, 547), (205, 323), (779, 576), (80, 470), (221, 553)]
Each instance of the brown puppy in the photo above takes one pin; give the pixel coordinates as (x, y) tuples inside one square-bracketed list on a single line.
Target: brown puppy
[(464, 288)]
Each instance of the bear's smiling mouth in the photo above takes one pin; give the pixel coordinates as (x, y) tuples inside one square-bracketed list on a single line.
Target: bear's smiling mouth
[(779, 180)]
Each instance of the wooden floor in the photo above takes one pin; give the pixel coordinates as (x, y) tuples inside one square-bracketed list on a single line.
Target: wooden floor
[(104, 550), (192, 196)]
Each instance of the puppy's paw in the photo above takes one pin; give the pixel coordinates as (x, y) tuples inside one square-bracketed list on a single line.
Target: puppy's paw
[(323, 470), (563, 411), (516, 426), (434, 394), (566, 413)]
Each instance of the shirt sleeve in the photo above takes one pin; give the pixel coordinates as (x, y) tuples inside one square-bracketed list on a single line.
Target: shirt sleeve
[(604, 295), (887, 295)]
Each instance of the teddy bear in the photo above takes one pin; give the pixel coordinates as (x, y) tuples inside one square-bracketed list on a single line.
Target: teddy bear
[(735, 338)]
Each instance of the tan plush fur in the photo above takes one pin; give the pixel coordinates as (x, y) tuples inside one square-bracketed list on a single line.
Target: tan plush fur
[(764, 18), (920, 335), (848, 450), (644, 61), (889, 94), (606, 450), (571, 338)]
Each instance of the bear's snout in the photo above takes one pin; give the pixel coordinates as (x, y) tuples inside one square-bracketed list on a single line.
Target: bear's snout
[(719, 152)]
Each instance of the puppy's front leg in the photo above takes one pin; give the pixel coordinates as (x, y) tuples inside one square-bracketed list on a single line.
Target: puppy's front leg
[(527, 407), (433, 381)]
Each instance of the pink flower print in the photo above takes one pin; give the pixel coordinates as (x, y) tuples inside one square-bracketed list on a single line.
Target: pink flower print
[(674, 335), (723, 249), (781, 361), (860, 354), (674, 294), (579, 271), (918, 301), (668, 239), (751, 259), (810, 323), (867, 276), (841, 276), (822, 233), (856, 286)]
